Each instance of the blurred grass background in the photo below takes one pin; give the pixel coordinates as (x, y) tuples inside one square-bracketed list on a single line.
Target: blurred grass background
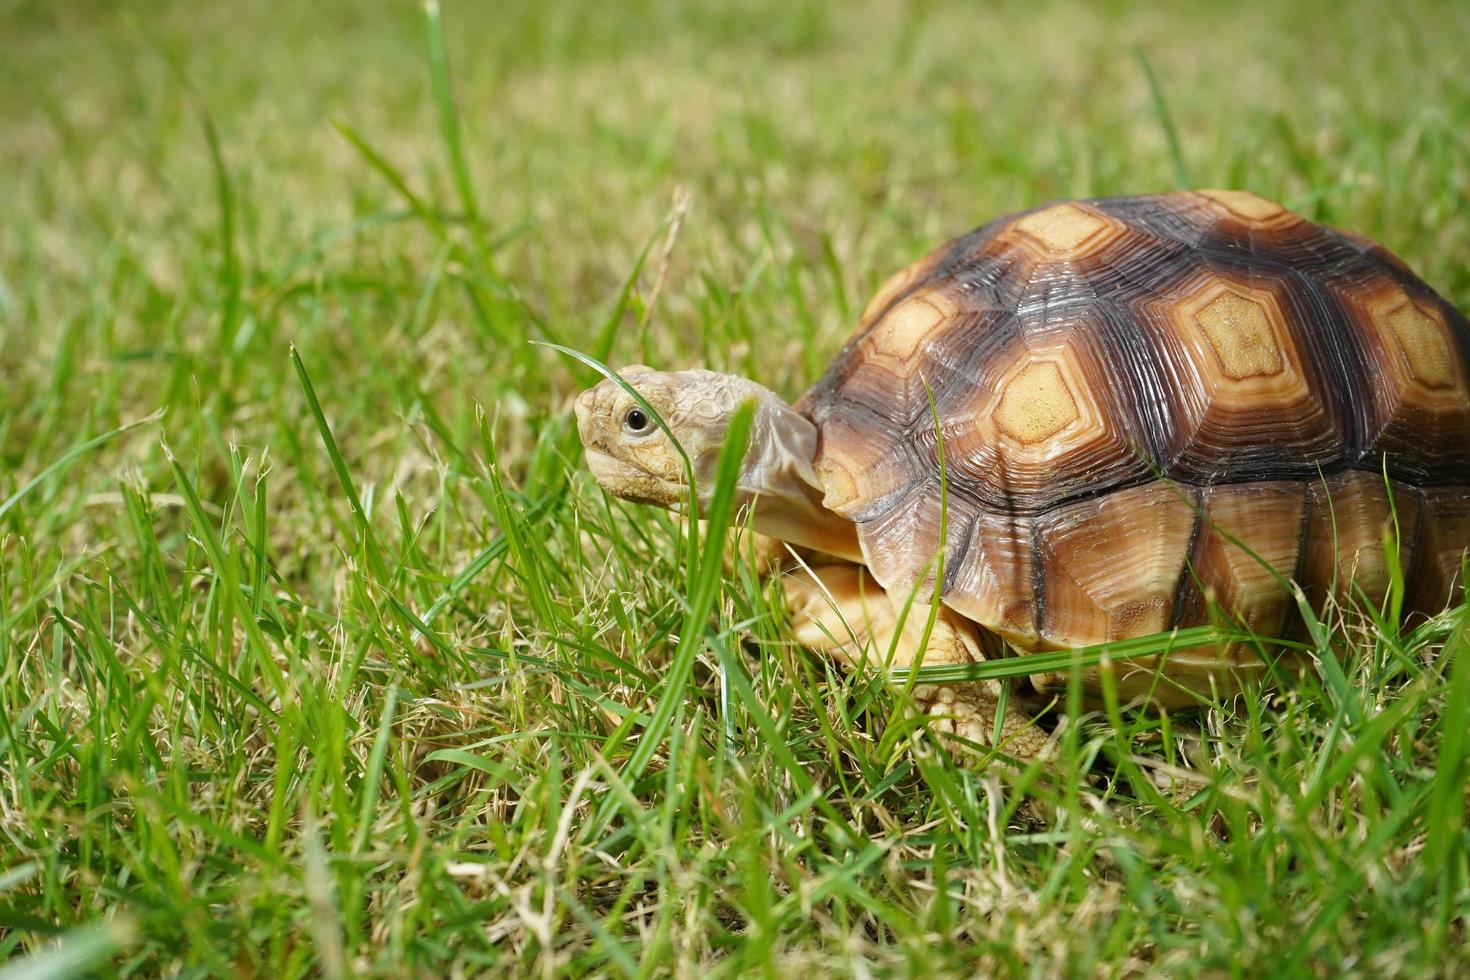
[(250, 726)]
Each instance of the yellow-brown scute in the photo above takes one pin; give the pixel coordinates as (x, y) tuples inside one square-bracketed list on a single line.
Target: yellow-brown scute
[(1247, 207), (1419, 405), (1066, 229), (1239, 330), (1036, 404), (1425, 344), (909, 324)]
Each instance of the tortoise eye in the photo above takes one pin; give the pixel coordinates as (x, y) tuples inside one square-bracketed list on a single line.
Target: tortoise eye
[(636, 420)]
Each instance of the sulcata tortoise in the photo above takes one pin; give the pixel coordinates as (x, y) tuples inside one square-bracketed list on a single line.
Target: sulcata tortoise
[(1133, 414)]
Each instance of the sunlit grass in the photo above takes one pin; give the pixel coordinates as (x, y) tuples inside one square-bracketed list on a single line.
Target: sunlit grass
[(342, 664)]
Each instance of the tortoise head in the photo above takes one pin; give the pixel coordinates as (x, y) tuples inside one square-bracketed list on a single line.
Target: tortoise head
[(633, 457)]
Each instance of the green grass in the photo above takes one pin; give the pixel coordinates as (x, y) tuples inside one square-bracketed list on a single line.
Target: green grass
[(342, 665)]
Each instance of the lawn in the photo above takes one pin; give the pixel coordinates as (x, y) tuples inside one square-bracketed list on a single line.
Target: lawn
[(320, 652)]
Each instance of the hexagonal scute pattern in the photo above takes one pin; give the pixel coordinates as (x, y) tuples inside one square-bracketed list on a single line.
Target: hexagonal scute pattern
[(1044, 425), (1415, 396), (1065, 231), (1249, 209), (1244, 398), (1128, 390), (908, 325), (1243, 335)]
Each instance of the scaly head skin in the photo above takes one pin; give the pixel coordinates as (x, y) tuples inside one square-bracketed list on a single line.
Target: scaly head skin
[(633, 458)]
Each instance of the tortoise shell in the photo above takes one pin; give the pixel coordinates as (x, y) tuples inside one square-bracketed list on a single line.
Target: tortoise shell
[(1112, 405)]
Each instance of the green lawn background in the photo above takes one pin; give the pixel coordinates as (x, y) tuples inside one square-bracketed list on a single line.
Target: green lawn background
[(341, 665)]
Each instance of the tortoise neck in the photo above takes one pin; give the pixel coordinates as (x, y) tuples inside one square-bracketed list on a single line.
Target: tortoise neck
[(778, 479), (803, 521)]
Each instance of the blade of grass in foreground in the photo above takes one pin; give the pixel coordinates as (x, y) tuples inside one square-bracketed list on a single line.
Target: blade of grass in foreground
[(368, 539), (80, 952), (702, 589), (238, 604), (1051, 660), (71, 456), (1443, 849), (776, 743), (497, 548), (693, 512)]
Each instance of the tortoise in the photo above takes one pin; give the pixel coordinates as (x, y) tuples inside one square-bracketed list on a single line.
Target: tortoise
[(1123, 416)]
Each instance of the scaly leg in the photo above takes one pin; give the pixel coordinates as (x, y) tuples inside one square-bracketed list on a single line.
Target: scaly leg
[(840, 611)]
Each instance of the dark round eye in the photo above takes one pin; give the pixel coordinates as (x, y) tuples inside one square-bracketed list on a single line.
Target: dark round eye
[(636, 420)]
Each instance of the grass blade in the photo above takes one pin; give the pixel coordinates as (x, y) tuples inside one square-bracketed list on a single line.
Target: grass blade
[(69, 457), (1445, 820), (367, 538), (1158, 644), (1182, 179), (80, 953), (449, 129), (702, 590)]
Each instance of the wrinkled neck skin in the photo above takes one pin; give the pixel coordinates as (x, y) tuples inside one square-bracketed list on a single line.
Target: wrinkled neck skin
[(779, 483)]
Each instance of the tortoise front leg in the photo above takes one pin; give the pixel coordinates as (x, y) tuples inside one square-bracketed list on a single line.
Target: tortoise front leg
[(840, 611)]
